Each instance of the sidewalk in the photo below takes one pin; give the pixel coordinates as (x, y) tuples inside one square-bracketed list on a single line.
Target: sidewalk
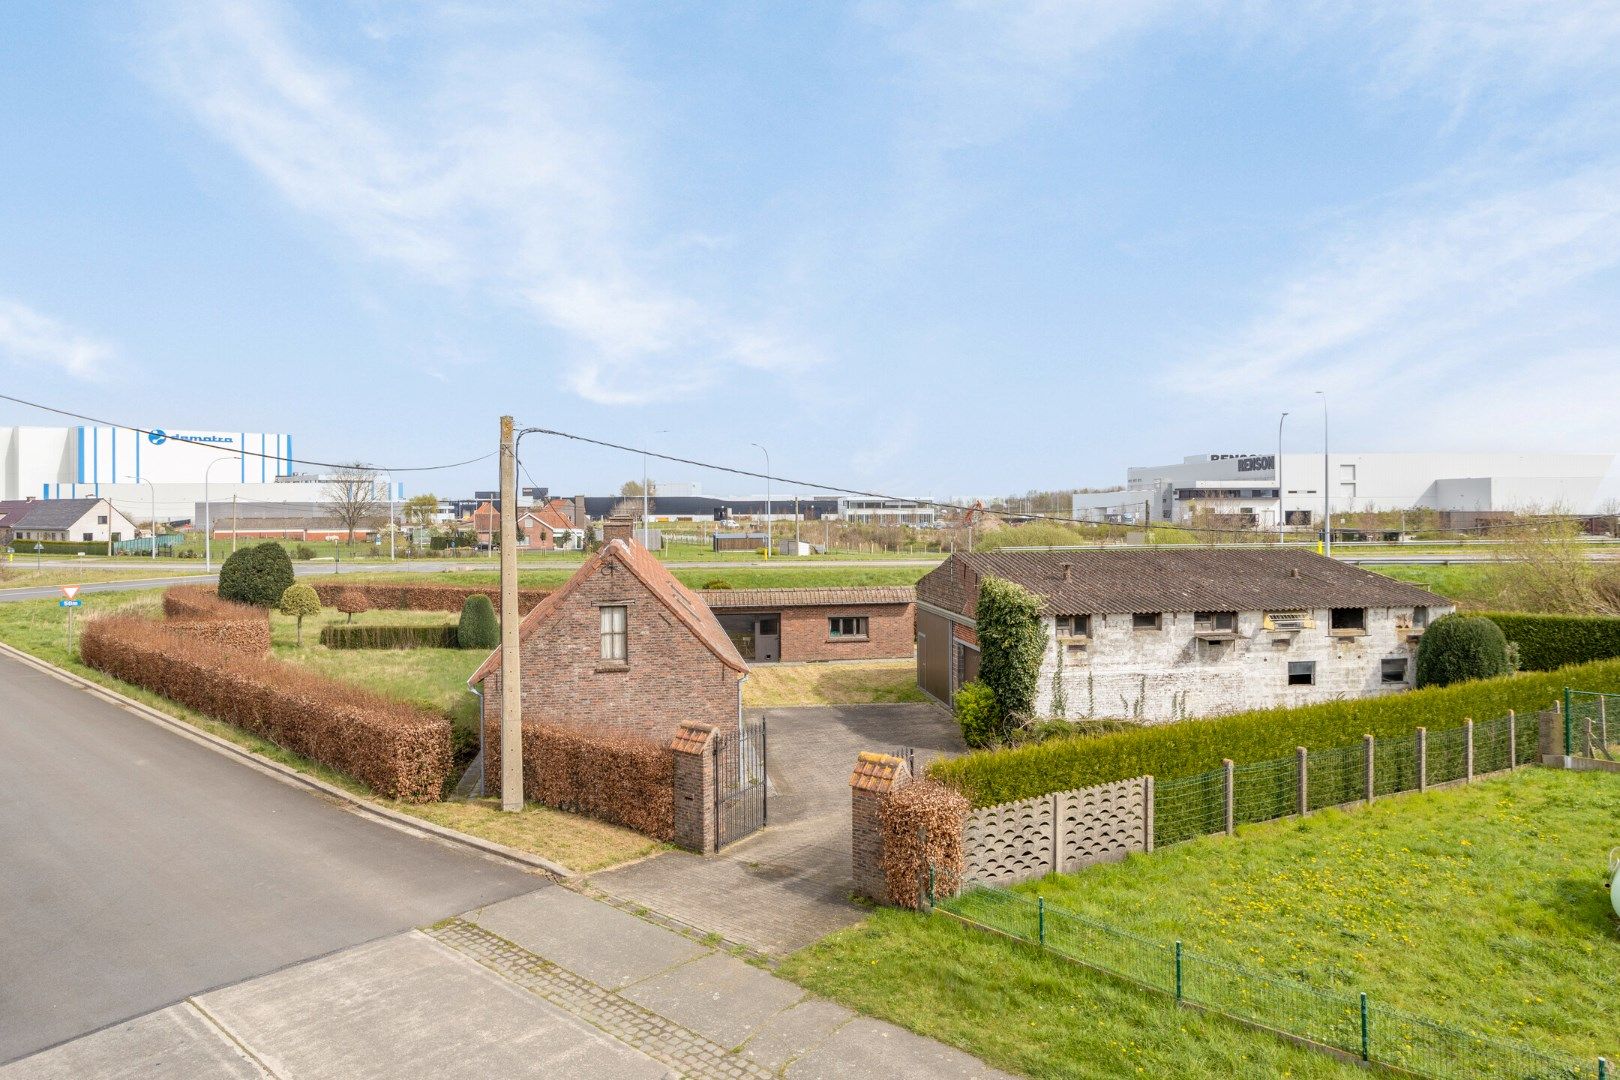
[(548, 983)]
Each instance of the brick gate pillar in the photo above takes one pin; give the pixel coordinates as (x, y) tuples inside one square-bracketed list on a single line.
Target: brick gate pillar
[(695, 826), (875, 778)]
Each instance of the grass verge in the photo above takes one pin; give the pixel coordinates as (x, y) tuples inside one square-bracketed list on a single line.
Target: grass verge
[(775, 685), (786, 576), (1480, 907)]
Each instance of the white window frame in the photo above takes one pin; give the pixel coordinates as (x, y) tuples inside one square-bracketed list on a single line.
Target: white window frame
[(835, 632), (615, 628)]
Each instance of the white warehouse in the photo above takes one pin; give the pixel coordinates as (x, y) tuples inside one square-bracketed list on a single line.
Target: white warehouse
[(1244, 487)]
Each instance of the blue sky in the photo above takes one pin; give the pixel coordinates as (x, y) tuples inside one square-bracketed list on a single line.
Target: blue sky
[(941, 249)]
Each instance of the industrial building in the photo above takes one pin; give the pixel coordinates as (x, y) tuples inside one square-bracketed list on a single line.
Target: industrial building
[(162, 471), (1243, 489)]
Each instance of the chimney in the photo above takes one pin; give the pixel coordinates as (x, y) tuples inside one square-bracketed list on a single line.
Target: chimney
[(580, 517), (616, 529), (1068, 570)]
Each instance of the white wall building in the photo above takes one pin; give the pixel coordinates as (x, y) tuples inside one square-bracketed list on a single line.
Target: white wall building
[(1245, 486), (1170, 633), (132, 467)]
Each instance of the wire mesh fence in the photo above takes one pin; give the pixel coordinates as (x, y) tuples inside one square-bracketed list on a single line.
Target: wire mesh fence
[(1189, 807), (1588, 731), (1348, 1024)]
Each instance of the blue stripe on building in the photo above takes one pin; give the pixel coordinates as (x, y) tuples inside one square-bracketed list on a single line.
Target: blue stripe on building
[(138, 457), (241, 449), (95, 459), (81, 454)]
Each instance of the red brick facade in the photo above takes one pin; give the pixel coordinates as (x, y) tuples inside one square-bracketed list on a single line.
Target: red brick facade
[(890, 633)]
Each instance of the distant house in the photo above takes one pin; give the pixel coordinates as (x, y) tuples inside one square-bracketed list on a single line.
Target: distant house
[(77, 521), (543, 527), (1168, 633), (622, 647)]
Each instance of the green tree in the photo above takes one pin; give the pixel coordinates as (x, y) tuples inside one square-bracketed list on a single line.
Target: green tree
[(256, 575), (1460, 647), (478, 628), (300, 600), (1011, 644), (419, 510)]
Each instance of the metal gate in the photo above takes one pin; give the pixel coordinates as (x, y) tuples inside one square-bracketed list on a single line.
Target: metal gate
[(741, 795)]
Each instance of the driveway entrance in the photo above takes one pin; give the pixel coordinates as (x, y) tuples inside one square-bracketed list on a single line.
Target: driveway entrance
[(788, 884)]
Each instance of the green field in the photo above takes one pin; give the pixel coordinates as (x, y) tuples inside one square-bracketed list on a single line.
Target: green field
[(787, 576), (1481, 907), (1474, 586)]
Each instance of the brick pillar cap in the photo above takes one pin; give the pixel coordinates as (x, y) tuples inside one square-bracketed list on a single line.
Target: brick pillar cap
[(692, 738), (876, 772)]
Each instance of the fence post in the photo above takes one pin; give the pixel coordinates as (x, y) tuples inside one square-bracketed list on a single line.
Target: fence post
[(1057, 832), (1178, 972), (1040, 920), (1231, 807), (1147, 814), (1565, 716), (1468, 751), (1302, 757), (1603, 1069), (1366, 1039), (1603, 720), (1423, 758), (1513, 739), (1588, 727), (1369, 744)]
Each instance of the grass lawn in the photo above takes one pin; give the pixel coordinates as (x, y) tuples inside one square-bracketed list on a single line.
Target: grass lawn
[(1473, 586), (772, 685), (1480, 907), (38, 627), (27, 576), (786, 576)]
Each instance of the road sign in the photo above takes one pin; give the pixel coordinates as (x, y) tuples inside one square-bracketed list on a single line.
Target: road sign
[(71, 603), (70, 591)]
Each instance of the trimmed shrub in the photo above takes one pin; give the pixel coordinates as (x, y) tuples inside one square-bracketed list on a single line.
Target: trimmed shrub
[(1011, 643), (398, 750), (922, 840), (978, 715), (303, 553), (717, 583), (479, 628), (1548, 642), (1457, 648), (388, 637), (352, 602), (195, 611), (614, 778), (409, 597), (300, 601), (1191, 747), (256, 575), (59, 547)]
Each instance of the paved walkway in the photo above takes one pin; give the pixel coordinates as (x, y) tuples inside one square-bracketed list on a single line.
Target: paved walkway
[(545, 984), (788, 884)]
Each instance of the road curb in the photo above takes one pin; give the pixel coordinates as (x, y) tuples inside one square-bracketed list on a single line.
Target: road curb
[(291, 776)]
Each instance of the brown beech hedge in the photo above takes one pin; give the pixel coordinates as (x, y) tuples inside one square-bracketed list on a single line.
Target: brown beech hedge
[(396, 749), (412, 597), (614, 778), (196, 611)]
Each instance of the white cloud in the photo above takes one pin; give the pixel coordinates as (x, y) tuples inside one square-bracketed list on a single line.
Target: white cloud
[(29, 339), (509, 168)]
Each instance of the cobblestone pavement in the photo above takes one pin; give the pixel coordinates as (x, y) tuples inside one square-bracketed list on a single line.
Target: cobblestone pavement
[(788, 884)]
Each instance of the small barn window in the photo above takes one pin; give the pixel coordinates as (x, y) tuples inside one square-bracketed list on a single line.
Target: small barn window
[(1145, 620), (1349, 618), (1393, 669), (1215, 621), (1302, 673), (846, 626), (615, 638), (1073, 625)]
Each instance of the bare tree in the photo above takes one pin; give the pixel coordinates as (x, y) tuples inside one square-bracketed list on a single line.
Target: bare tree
[(352, 498)]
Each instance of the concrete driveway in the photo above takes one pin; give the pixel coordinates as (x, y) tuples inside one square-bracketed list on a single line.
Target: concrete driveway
[(788, 884), (138, 868)]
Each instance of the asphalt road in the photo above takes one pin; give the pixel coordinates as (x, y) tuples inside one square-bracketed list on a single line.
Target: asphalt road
[(138, 867)]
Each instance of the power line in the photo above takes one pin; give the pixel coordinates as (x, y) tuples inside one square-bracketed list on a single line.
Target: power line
[(245, 452)]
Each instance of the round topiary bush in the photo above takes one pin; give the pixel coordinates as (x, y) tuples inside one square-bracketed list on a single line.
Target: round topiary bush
[(257, 575), (352, 602), (478, 628), (299, 601), (1456, 648)]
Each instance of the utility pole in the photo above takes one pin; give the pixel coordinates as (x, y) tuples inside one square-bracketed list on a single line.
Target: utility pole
[(768, 522), (1282, 512), (1327, 503), (511, 675)]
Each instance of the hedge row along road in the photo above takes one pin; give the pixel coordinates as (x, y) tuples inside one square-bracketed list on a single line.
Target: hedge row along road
[(214, 872)]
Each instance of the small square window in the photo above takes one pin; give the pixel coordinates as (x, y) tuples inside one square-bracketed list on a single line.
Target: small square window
[(1145, 620), (846, 626), (1215, 621), (1349, 618), (1302, 673), (1073, 625), (615, 636), (88, 537), (101, 519), (1420, 618), (1393, 669)]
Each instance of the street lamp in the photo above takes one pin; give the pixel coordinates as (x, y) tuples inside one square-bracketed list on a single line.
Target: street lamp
[(1282, 513), (646, 530), (1327, 497), (767, 454), (148, 483), (208, 515), (390, 513)]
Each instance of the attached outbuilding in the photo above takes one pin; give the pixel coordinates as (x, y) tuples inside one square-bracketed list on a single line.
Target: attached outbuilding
[(1168, 633), (863, 623)]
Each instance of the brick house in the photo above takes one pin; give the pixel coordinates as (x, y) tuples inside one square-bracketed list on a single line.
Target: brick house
[(78, 521), (623, 648), (1170, 633), (862, 623), (547, 527)]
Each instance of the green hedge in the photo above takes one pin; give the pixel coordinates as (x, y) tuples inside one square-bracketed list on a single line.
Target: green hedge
[(1191, 747), (1548, 642), (388, 637), (60, 547)]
